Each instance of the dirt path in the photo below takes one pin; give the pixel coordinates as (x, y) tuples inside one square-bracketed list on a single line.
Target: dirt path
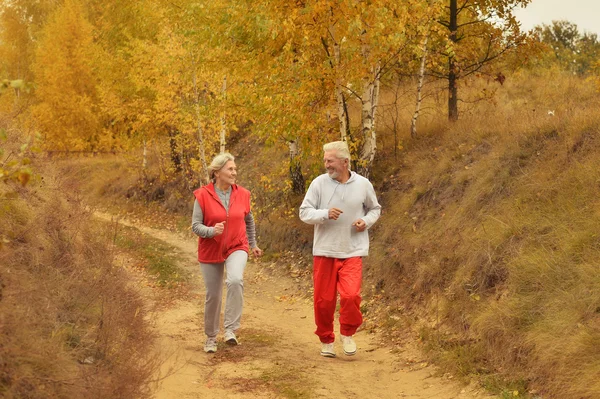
[(279, 355)]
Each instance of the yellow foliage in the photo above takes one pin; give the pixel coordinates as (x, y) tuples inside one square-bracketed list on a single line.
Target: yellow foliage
[(67, 113)]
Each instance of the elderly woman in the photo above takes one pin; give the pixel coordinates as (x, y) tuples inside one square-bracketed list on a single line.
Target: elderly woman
[(223, 221)]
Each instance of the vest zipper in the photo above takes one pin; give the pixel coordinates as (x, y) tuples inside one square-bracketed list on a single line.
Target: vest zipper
[(226, 223), (231, 198)]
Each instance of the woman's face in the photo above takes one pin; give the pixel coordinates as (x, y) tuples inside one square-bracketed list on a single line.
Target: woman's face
[(227, 174)]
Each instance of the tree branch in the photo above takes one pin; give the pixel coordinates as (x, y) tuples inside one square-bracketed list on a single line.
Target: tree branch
[(445, 24), (351, 92), (477, 21), (458, 11), (326, 47)]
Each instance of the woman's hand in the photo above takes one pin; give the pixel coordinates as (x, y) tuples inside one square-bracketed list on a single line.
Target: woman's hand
[(257, 252), (219, 228)]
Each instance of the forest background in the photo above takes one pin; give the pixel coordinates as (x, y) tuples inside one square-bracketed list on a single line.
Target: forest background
[(481, 141)]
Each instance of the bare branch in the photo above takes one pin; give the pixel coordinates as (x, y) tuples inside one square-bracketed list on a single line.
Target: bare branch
[(476, 21), (459, 10), (445, 24), (351, 91), (326, 47)]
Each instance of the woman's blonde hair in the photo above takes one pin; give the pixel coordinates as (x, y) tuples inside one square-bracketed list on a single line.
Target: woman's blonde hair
[(217, 164)]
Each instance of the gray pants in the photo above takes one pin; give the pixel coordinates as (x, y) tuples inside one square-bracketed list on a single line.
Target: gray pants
[(213, 281)]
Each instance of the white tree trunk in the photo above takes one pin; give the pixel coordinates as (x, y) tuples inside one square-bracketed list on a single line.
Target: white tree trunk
[(339, 94), (341, 108), (201, 150), (293, 146), (223, 121), (145, 157), (369, 101), (413, 123)]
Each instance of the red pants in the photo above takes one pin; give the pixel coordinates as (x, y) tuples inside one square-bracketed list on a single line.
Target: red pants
[(330, 276)]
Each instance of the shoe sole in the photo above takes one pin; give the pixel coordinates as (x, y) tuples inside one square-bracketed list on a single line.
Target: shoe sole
[(349, 353), (210, 351), (231, 341), (327, 354)]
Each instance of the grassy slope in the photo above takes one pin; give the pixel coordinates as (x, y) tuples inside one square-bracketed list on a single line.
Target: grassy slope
[(488, 242), (491, 228), (70, 326)]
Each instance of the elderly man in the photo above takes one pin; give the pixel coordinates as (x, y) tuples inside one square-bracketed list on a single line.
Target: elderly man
[(343, 206)]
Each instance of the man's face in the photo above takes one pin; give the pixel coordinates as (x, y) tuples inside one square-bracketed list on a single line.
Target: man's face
[(336, 167)]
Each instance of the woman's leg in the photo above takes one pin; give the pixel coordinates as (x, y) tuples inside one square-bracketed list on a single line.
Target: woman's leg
[(235, 265), (213, 281)]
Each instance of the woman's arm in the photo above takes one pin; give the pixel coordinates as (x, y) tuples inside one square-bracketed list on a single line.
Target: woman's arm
[(198, 226), (250, 230)]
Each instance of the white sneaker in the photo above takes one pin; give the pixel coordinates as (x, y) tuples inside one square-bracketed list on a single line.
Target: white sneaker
[(210, 346), (230, 338), (327, 350), (349, 345)]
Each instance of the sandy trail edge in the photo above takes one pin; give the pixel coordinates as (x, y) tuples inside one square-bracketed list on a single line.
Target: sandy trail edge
[(279, 354)]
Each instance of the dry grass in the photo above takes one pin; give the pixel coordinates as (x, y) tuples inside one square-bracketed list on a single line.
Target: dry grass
[(69, 324), (490, 228), (117, 184)]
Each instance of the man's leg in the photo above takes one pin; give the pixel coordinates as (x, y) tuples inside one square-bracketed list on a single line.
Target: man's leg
[(325, 297), (349, 282)]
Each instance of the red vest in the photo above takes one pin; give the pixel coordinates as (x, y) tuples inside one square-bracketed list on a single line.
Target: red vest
[(218, 248)]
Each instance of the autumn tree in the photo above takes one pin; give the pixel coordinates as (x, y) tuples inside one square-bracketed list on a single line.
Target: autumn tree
[(121, 28), (15, 44), (327, 60), (212, 69), (567, 47), (148, 82), (67, 112), (478, 34), (20, 23)]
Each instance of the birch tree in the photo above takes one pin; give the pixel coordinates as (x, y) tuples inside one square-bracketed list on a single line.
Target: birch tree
[(429, 29), (336, 54), (199, 129), (420, 82), (223, 135)]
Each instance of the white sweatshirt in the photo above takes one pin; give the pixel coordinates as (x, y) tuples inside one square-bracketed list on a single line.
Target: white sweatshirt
[(338, 238)]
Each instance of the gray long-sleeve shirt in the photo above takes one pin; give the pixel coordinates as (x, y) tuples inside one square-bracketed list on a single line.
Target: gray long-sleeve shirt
[(338, 238)]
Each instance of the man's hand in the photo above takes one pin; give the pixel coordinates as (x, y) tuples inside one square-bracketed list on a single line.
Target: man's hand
[(334, 213), (219, 228), (360, 225)]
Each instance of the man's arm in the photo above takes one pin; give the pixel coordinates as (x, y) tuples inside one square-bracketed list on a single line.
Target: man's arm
[(372, 206), (309, 212)]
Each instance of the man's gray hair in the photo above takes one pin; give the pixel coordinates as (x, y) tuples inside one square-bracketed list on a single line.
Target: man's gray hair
[(218, 162), (340, 147)]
